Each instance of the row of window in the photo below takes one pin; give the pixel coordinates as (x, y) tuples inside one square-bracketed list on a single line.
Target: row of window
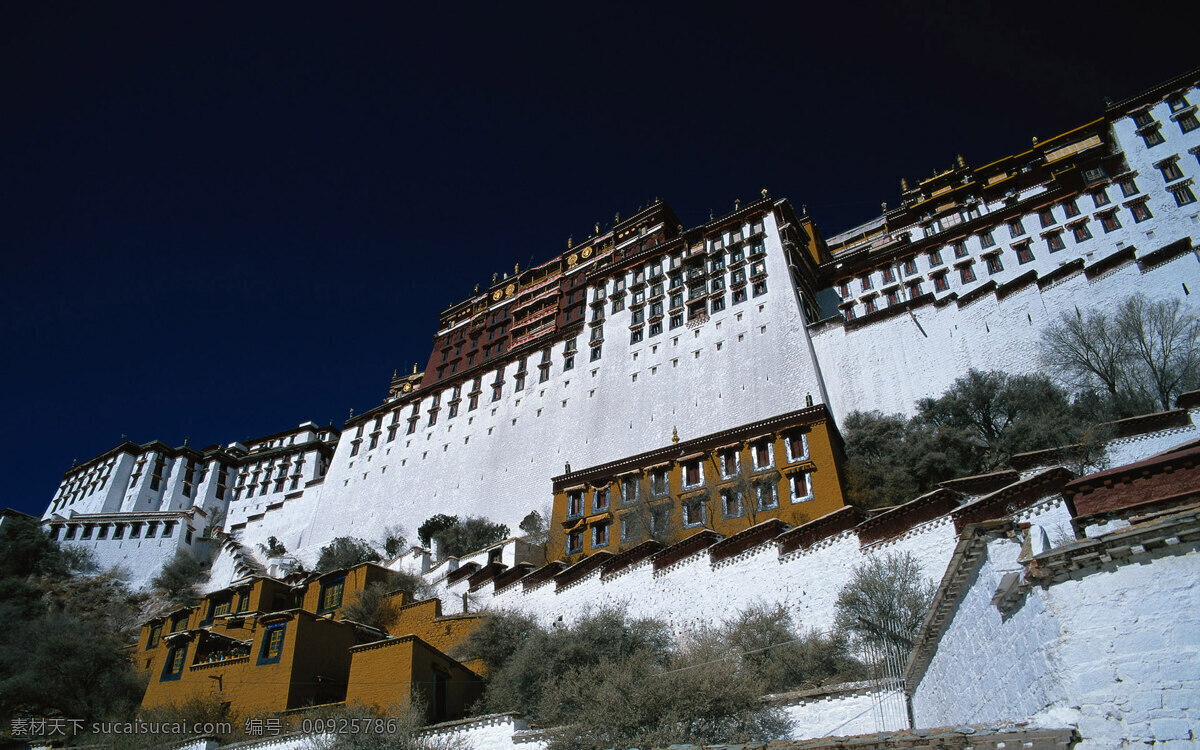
[(1150, 129), (694, 512), (728, 461), (85, 531)]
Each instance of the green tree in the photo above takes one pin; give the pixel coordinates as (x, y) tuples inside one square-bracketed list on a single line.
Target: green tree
[(180, 579), (346, 552), (433, 525), (468, 535), (61, 644), (377, 605)]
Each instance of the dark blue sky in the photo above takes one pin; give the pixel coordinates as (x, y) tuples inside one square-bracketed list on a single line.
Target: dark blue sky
[(219, 220)]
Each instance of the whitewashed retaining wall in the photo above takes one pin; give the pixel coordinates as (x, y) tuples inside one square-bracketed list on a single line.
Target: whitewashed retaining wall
[(847, 713), (1114, 651)]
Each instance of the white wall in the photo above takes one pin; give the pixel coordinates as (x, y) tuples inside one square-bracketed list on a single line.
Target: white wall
[(865, 711), (1114, 650)]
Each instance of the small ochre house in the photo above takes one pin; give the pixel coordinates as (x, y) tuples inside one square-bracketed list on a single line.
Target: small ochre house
[(265, 645)]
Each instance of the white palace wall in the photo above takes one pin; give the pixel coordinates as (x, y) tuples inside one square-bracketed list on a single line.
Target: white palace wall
[(745, 363), (889, 364)]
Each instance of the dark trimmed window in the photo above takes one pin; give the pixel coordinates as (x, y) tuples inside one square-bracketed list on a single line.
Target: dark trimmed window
[(176, 658), (331, 594), (154, 637), (272, 644)]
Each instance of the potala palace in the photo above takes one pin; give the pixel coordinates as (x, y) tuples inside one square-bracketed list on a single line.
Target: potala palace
[(635, 377)]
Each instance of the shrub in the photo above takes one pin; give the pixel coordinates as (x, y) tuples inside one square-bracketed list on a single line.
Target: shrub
[(468, 535), (345, 552), (885, 603), (180, 579), (377, 606)]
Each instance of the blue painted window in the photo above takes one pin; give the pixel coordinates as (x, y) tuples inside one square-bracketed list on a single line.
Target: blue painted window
[(272, 644)]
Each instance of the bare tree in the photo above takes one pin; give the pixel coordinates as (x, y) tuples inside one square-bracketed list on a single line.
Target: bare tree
[(1164, 340), (1141, 357)]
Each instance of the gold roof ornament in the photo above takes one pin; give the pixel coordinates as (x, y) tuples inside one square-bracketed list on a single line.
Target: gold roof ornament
[(674, 435), (516, 268), (414, 368), (962, 163), (395, 373), (570, 242), (617, 217), (495, 277), (903, 185), (737, 203), (597, 227), (351, 412), (477, 289), (1035, 141)]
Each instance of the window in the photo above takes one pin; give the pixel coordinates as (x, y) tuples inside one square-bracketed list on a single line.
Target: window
[(519, 385), (1016, 228), (843, 290), (331, 594), (600, 534), (797, 446), (801, 486), (574, 503), (1140, 212), (910, 267), (635, 336), (568, 363), (1177, 102), (718, 304), (574, 542), (731, 503), (630, 489), (693, 513), (693, 473), (1081, 232), (994, 266), (866, 282), (660, 481), (739, 296), (935, 258), (1170, 170), (222, 607), (600, 499), (1070, 207), (914, 289), (176, 657), (762, 454), (243, 601), (272, 645), (660, 520), (1100, 198), (178, 623), (1152, 136), (1110, 222), (767, 496), (154, 637), (960, 248), (730, 462), (893, 298), (966, 274), (1188, 123), (1054, 243), (760, 287), (888, 275), (1183, 194), (939, 282), (1128, 187), (1046, 217), (1143, 118), (869, 305)]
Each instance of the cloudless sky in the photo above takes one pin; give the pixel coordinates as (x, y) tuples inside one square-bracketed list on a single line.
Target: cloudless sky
[(221, 219)]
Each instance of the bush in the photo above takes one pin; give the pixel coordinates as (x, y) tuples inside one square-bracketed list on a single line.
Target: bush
[(468, 535), (345, 552), (180, 579), (434, 524), (884, 604), (377, 606)]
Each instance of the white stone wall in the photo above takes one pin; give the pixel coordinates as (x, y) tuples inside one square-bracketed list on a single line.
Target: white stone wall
[(890, 364), (746, 363), (1115, 651), (141, 559), (840, 714), (695, 593)]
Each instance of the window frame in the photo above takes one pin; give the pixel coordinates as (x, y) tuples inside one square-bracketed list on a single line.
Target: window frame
[(337, 584), (269, 644)]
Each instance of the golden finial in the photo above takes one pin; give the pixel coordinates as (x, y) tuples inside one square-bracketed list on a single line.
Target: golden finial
[(495, 277), (414, 368), (351, 413), (883, 206), (764, 192), (597, 227), (477, 288), (962, 163), (737, 203), (903, 185), (516, 268), (1035, 140), (617, 218), (674, 435), (570, 242), (395, 373)]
